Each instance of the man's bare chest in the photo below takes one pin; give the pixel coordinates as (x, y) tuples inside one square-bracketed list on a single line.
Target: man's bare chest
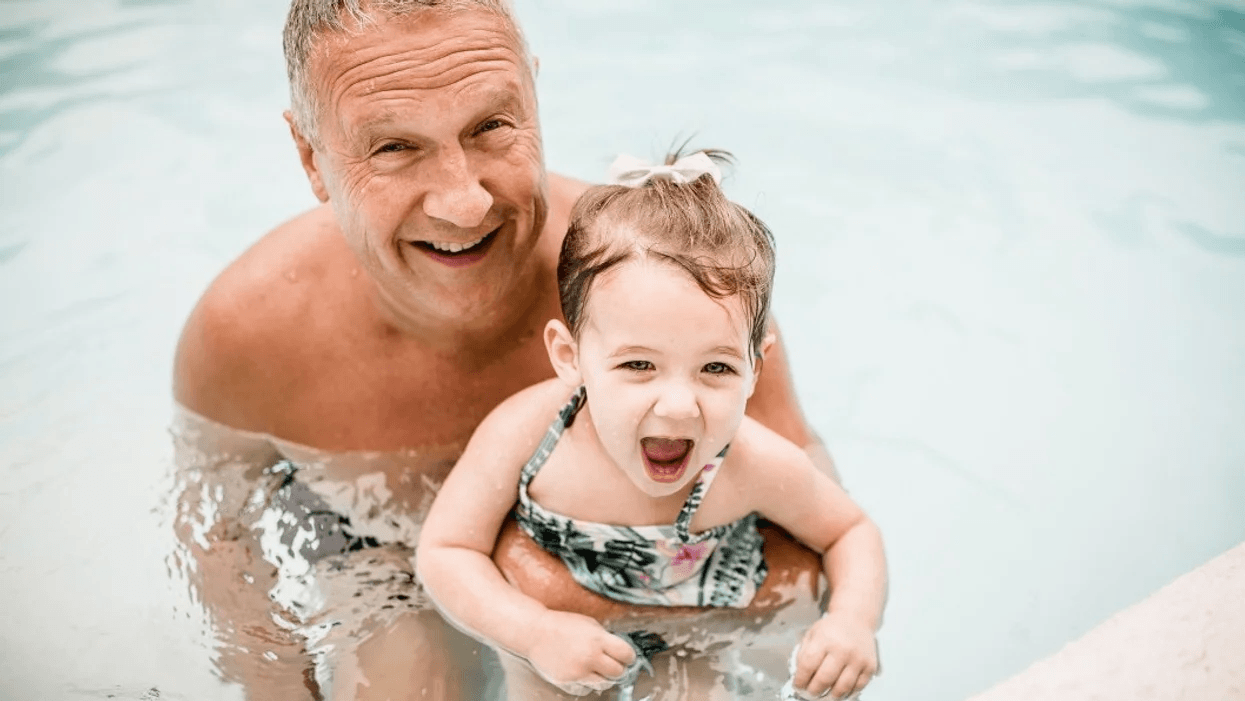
[(390, 402)]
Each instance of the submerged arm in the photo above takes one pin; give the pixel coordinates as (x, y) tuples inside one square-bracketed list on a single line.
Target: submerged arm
[(219, 492), (218, 472)]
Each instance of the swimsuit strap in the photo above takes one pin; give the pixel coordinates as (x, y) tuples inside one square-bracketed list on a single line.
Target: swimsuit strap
[(708, 473), (566, 417)]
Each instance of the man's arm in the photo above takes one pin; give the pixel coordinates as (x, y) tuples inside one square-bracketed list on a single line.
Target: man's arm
[(222, 364), (218, 468), (217, 471), (774, 404)]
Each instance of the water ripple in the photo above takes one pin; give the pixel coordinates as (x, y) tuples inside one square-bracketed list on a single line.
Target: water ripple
[(1211, 242)]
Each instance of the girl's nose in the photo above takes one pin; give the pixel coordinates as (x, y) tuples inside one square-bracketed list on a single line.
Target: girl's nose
[(677, 402)]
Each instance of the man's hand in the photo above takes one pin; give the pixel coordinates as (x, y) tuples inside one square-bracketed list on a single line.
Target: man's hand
[(838, 655), (576, 654)]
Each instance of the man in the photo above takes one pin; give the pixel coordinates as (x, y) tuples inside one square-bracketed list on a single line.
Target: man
[(363, 341)]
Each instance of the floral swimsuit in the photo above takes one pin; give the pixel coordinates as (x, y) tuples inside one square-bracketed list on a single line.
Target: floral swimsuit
[(648, 565)]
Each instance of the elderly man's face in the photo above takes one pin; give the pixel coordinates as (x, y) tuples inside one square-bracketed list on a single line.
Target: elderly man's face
[(430, 154)]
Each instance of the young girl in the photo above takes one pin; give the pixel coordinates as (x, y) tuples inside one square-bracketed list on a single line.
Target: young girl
[(636, 465)]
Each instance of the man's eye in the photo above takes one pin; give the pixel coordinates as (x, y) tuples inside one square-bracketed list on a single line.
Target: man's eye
[(637, 365), (392, 147), (490, 125), (719, 369)]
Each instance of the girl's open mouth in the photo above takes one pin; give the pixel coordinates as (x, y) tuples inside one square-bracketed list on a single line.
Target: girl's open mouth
[(665, 459)]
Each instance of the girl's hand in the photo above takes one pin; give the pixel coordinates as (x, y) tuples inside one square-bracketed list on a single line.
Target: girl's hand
[(838, 655), (576, 654)]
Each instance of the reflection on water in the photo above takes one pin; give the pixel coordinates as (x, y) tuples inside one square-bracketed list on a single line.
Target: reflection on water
[(302, 563), (1011, 250), (295, 567)]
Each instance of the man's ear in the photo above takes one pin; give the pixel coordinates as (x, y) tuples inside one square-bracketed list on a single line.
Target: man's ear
[(563, 352), (759, 360), (307, 155)]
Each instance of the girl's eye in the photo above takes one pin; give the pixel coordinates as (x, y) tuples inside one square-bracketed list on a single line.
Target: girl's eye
[(719, 369), (637, 365)]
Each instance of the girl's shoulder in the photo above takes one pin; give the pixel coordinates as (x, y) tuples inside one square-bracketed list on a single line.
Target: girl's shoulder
[(511, 432), (759, 455), (756, 443), (529, 410)]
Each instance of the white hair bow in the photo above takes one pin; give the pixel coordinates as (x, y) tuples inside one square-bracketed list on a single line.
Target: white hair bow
[(633, 172)]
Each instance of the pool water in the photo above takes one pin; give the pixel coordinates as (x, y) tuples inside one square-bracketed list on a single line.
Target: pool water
[(1012, 284)]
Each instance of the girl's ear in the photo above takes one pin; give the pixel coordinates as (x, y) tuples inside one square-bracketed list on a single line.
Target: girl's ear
[(563, 352), (759, 361)]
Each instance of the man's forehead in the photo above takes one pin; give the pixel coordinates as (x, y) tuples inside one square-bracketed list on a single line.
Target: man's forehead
[(374, 76), (432, 39), (479, 100)]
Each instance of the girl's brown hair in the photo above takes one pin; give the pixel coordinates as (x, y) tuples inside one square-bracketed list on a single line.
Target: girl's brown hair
[(723, 246)]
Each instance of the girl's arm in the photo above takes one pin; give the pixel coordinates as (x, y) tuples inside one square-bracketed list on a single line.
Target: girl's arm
[(839, 652), (454, 557)]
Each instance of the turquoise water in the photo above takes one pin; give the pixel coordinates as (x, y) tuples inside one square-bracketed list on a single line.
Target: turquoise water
[(1012, 282)]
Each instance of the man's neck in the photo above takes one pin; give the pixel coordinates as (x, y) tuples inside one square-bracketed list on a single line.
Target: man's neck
[(482, 338)]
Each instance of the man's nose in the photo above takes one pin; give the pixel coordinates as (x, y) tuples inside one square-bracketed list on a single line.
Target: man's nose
[(455, 194), (677, 402)]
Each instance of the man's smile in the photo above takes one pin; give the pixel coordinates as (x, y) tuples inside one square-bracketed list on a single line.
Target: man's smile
[(456, 254)]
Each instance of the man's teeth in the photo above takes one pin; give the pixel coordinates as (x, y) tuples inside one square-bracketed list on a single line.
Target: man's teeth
[(454, 247)]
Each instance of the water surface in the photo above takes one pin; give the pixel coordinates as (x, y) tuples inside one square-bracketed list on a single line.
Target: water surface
[(1012, 283)]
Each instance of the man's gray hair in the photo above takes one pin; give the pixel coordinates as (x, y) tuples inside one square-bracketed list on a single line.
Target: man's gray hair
[(309, 21)]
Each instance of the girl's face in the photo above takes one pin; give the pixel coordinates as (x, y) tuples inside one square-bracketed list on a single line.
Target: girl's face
[(668, 371)]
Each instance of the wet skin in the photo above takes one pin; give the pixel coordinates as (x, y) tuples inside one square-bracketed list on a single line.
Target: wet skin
[(430, 135), (674, 363), (343, 330)]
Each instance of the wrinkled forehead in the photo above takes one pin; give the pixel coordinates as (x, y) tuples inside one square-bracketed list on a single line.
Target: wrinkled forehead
[(426, 50)]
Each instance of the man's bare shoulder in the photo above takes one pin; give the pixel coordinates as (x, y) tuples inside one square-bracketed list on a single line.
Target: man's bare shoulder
[(232, 350), (563, 191)]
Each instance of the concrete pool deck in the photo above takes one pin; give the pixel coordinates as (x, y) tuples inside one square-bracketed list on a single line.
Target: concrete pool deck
[(1186, 641)]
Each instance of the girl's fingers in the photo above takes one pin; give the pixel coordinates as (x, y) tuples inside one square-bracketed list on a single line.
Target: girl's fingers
[(862, 681), (807, 661), (609, 667), (845, 685), (619, 649), (827, 674)]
